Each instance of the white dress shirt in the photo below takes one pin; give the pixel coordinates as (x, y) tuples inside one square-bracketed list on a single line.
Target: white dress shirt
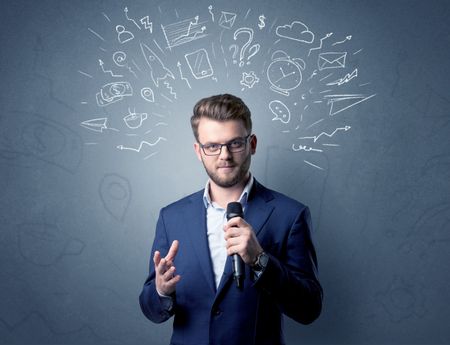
[(215, 220)]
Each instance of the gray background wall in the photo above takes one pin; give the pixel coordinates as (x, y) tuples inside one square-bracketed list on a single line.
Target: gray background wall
[(78, 214)]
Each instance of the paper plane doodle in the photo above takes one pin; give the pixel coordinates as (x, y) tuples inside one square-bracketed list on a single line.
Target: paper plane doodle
[(96, 125), (339, 103)]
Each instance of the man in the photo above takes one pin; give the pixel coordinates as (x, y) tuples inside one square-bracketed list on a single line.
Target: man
[(194, 280)]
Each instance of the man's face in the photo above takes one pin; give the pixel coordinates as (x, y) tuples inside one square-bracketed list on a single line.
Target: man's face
[(226, 169)]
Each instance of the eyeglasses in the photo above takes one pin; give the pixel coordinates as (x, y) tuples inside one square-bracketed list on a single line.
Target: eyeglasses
[(234, 146)]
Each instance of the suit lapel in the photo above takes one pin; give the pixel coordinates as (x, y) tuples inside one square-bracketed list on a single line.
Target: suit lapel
[(195, 214)]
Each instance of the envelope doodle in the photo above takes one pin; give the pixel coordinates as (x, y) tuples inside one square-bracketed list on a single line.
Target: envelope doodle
[(331, 60), (227, 19)]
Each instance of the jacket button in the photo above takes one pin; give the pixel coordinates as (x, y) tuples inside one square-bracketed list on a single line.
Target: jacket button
[(217, 312)]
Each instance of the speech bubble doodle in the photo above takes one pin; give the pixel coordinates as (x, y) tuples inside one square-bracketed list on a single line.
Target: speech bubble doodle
[(280, 110)]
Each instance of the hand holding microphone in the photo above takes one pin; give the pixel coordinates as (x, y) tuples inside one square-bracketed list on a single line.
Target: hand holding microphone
[(241, 241)]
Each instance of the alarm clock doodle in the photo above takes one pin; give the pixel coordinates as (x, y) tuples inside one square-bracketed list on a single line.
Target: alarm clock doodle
[(284, 73)]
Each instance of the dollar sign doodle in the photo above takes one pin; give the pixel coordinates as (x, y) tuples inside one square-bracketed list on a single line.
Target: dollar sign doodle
[(261, 23)]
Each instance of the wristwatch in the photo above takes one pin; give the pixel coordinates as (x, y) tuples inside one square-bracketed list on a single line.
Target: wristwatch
[(261, 262)]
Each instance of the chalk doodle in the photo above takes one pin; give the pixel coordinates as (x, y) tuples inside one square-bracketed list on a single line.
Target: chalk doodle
[(252, 50), (96, 125), (148, 94), (284, 74), (101, 63), (134, 120), (346, 79), (181, 75), (113, 92), (130, 19), (148, 25), (227, 19), (321, 43), (329, 135), (296, 31), (199, 63), (262, 24), (331, 60), (249, 79), (308, 80), (157, 69), (141, 145), (183, 32), (339, 103), (123, 35), (280, 110)]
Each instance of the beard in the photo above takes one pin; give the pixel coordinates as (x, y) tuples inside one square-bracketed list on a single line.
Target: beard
[(231, 179)]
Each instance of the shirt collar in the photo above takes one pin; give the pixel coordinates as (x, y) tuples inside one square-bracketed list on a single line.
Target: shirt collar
[(242, 199)]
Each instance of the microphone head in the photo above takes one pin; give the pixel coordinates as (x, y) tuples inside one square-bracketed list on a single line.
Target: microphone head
[(234, 209)]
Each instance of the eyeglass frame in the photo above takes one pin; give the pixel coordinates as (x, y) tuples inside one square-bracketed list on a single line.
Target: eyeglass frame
[(245, 139)]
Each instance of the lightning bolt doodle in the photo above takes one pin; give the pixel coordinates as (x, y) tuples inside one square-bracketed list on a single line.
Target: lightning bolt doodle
[(147, 24), (345, 79)]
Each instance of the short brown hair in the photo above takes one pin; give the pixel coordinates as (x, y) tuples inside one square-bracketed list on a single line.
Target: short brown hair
[(221, 108)]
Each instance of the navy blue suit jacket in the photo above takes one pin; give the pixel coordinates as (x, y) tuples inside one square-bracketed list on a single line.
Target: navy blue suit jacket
[(226, 315)]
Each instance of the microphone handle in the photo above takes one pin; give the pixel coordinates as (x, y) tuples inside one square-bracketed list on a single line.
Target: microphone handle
[(238, 270), (234, 209)]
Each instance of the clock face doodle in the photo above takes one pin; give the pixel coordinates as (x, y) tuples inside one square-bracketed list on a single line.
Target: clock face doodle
[(284, 74)]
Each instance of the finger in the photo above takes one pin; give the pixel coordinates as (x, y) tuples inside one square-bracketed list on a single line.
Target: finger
[(173, 250), (169, 274), (232, 242), (233, 222), (232, 232), (162, 267), (156, 258), (175, 279), (234, 249)]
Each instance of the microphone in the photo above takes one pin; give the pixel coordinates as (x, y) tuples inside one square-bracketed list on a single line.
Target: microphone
[(234, 209)]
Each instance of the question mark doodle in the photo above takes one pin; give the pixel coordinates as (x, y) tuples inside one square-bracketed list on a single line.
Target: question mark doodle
[(255, 48), (235, 48)]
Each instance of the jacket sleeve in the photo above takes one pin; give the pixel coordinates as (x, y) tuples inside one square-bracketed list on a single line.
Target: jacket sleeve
[(156, 308), (291, 279)]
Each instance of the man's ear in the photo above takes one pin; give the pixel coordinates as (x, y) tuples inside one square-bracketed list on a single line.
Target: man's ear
[(197, 150), (253, 142)]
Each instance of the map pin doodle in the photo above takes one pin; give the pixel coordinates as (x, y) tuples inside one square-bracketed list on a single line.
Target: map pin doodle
[(115, 193)]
